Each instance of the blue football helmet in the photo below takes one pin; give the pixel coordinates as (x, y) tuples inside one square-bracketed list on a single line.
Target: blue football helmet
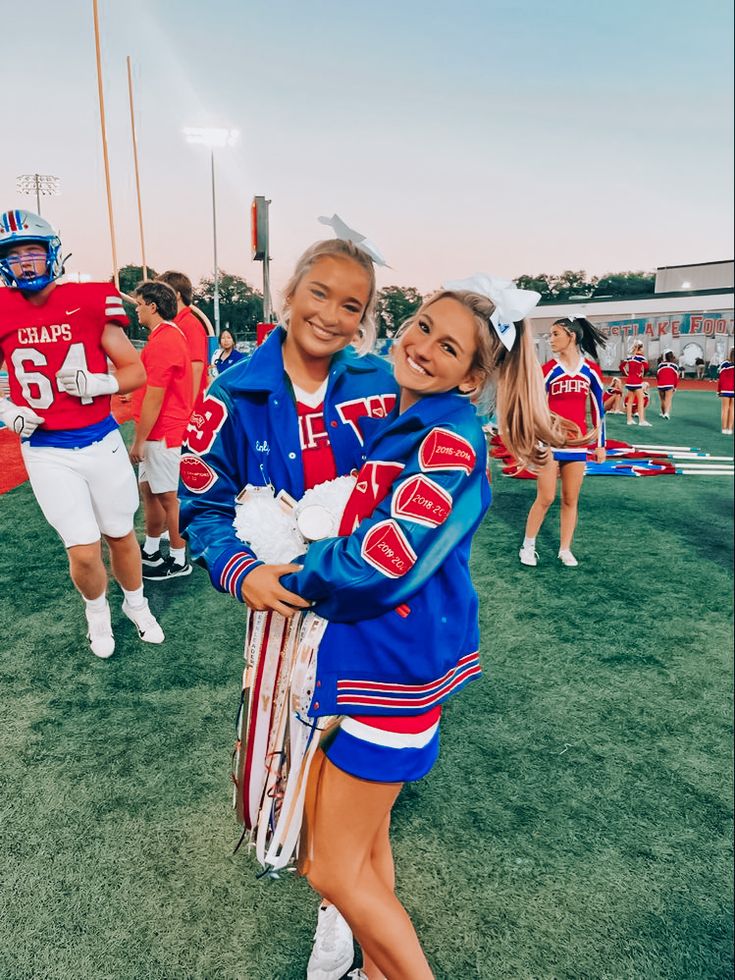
[(25, 228)]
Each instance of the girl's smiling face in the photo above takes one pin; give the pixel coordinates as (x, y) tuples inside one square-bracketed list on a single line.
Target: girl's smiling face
[(327, 305), (436, 352)]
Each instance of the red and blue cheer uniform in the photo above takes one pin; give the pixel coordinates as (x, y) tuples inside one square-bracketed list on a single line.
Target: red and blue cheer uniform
[(667, 376), (568, 393), (725, 379), (635, 369)]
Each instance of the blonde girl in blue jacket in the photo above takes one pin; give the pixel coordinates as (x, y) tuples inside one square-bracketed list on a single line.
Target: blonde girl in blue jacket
[(402, 634)]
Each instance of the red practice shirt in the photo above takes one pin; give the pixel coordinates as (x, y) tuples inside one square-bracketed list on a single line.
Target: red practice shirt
[(65, 331), (196, 338), (168, 365), (316, 450)]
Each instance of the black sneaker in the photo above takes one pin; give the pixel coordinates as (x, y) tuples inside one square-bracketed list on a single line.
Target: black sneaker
[(168, 568), (151, 559)]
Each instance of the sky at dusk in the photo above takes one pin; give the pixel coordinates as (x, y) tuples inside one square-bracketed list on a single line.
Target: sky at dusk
[(472, 135)]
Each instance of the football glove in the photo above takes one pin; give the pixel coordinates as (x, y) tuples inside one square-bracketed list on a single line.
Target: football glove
[(83, 384), (19, 418)]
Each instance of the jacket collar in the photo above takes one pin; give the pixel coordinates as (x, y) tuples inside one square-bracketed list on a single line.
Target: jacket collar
[(263, 371)]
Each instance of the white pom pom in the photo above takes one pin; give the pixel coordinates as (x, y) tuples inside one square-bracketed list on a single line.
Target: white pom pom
[(274, 533), (262, 523)]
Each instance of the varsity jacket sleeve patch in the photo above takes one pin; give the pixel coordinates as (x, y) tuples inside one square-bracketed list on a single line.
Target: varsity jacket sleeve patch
[(212, 475), (436, 501)]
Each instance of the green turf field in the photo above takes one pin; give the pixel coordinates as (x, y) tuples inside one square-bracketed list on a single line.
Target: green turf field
[(577, 824)]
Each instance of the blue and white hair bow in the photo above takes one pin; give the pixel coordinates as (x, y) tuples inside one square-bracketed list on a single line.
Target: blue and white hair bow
[(511, 304), (347, 234)]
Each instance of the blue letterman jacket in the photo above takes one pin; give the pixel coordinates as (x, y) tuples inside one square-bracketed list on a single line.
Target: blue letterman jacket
[(403, 633), (245, 430)]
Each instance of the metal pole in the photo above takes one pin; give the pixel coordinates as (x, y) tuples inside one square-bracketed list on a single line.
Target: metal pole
[(214, 239), (137, 174), (36, 178), (105, 154), (267, 305)]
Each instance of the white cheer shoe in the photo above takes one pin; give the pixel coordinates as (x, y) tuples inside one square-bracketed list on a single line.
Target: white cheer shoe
[(333, 952), (528, 556), (149, 629), (99, 632), (567, 558)]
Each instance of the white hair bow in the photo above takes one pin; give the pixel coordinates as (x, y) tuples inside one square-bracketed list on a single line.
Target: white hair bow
[(347, 234), (511, 304)]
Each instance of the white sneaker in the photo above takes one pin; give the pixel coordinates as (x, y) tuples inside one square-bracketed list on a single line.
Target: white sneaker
[(646, 424), (528, 556), (146, 623), (99, 632), (568, 559), (333, 952), (357, 974), (631, 422)]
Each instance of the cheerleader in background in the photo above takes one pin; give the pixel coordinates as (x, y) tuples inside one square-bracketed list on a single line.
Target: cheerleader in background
[(571, 382), (614, 397), (635, 368), (726, 391), (667, 381)]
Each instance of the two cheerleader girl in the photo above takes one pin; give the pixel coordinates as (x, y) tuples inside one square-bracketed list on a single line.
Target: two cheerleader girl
[(402, 633)]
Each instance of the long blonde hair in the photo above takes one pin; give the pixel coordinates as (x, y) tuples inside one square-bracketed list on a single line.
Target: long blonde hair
[(512, 382), (341, 249)]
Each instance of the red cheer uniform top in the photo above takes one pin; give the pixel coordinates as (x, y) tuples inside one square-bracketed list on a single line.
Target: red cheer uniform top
[(64, 331), (725, 378), (634, 368), (667, 375), (570, 392), (316, 451)]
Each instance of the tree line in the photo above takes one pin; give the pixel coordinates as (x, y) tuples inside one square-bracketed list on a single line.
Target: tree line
[(241, 304)]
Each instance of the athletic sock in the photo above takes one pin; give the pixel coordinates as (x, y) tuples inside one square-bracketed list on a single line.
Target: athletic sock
[(134, 599), (178, 555), (529, 542), (96, 605), (151, 545)]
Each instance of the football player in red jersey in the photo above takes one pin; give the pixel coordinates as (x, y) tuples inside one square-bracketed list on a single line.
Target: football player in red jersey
[(56, 340), (571, 382)]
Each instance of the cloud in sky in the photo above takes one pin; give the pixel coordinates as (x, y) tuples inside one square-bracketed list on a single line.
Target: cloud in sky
[(510, 137)]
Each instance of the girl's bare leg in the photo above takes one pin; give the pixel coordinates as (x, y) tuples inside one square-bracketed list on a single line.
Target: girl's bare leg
[(641, 406), (344, 825), (382, 861), (545, 493), (572, 475)]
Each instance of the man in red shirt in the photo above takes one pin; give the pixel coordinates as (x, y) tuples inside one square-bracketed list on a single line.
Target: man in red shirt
[(161, 411), (196, 335)]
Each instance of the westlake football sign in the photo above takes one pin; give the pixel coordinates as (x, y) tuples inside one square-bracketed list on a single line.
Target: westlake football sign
[(671, 325)]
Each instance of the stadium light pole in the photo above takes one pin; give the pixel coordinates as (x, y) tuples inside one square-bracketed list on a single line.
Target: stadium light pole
[(42, 185), (214, 139)]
